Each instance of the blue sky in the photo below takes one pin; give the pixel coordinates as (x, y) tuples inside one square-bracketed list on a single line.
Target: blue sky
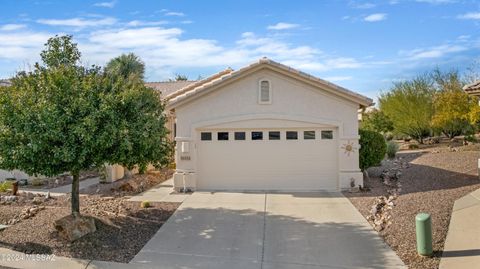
[(361, 45)]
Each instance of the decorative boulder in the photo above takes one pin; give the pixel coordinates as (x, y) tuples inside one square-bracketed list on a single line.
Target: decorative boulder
[(73, 227)]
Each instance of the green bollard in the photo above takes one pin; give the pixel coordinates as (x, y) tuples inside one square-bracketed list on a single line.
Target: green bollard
[(423, 224)]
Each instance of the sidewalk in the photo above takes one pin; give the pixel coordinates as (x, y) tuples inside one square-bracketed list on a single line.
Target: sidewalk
[(66, 188), (163, 192), (462, 246)]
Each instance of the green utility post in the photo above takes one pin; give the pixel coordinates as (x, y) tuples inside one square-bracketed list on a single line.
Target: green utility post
[(423, 224)]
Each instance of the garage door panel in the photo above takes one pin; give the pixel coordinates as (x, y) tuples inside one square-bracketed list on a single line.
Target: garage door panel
[(267, 164)]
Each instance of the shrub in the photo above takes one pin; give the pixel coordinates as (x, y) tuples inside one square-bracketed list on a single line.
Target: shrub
[(5, 186), (389, 136), (392, 149), (470, 138), (372, 148), (145, 204)]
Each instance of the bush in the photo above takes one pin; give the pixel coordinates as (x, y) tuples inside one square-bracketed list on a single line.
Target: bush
[(5, 186), (372, 148), (470, 138), (392, 149), (145, 204)]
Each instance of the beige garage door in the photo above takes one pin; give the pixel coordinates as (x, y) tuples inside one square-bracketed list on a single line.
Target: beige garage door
[(274, 159)]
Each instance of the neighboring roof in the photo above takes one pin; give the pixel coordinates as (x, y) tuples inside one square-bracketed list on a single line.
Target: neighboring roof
[(473, 88), (204, 86), (5, 82), (169, 87)]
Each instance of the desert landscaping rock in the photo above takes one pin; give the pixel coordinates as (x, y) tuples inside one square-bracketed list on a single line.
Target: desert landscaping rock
[(73, 227), (430, 181), (123, 228)]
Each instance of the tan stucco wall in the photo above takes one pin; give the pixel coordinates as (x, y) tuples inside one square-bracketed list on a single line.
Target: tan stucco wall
[(291, 99)]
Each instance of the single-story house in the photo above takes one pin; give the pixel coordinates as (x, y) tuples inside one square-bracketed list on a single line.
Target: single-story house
[(473, 88), (265, 126)]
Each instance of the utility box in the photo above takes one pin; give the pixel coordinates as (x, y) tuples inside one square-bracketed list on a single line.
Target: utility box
[(423, 225)]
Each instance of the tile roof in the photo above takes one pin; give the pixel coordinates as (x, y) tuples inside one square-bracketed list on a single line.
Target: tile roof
[(5, 82), (218, 78), (169, 87), (473, 87)]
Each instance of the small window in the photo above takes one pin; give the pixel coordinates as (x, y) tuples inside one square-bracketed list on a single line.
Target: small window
[(222, 136), (274, 135), (292, 135), (327, 134), (206, 136), (257, 135), (308, 135), (239, 135), (265, 93)]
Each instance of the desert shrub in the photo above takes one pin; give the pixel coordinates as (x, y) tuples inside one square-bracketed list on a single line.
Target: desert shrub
[(145, 204), (412, 146), (372, 148), (5, 186), (470, 138), (392, 149), (389, 136)]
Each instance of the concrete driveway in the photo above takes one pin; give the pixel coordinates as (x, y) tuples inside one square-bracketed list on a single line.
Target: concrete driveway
[(266, 230)]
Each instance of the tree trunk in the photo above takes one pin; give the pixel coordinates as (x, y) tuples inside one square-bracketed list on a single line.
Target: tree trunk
[(76, 193)]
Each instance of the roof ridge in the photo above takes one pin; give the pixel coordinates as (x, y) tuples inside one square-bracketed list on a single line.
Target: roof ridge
[(228, 73), (199, 83), (173, 81)]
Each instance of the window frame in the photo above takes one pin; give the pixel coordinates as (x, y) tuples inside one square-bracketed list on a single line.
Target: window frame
[(260, 92), (218, 136), (309, 131), (240, 132), (326, 131), (275, 139), (209, 133), (251, 135), (286, 135)]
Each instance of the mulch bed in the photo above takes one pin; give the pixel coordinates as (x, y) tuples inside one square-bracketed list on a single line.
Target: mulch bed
[(433, 181), (123, 227)]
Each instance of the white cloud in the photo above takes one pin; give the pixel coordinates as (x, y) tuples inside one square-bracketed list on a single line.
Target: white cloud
[(366, 5), (375, 17), (172, 13), (23, 45), (165, 50), (106, 4), (470, 16), (12, 27), (136, 23), (433, 52), (78, 22), (282, 26)]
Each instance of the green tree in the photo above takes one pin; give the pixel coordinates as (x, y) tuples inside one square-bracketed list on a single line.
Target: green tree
[(60, 51), (409, 104), (372, 148), (376, 120), (126, 66), (180, 77), (65, 117), (452, 105)]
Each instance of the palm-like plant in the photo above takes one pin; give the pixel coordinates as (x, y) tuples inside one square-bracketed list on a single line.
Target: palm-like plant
[(126, 66)]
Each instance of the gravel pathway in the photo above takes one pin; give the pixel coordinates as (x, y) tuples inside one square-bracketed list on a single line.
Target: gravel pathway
[(432, 183)]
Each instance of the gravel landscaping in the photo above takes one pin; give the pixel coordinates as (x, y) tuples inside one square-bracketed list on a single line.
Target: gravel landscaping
[(429, 181), (123, 227)]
